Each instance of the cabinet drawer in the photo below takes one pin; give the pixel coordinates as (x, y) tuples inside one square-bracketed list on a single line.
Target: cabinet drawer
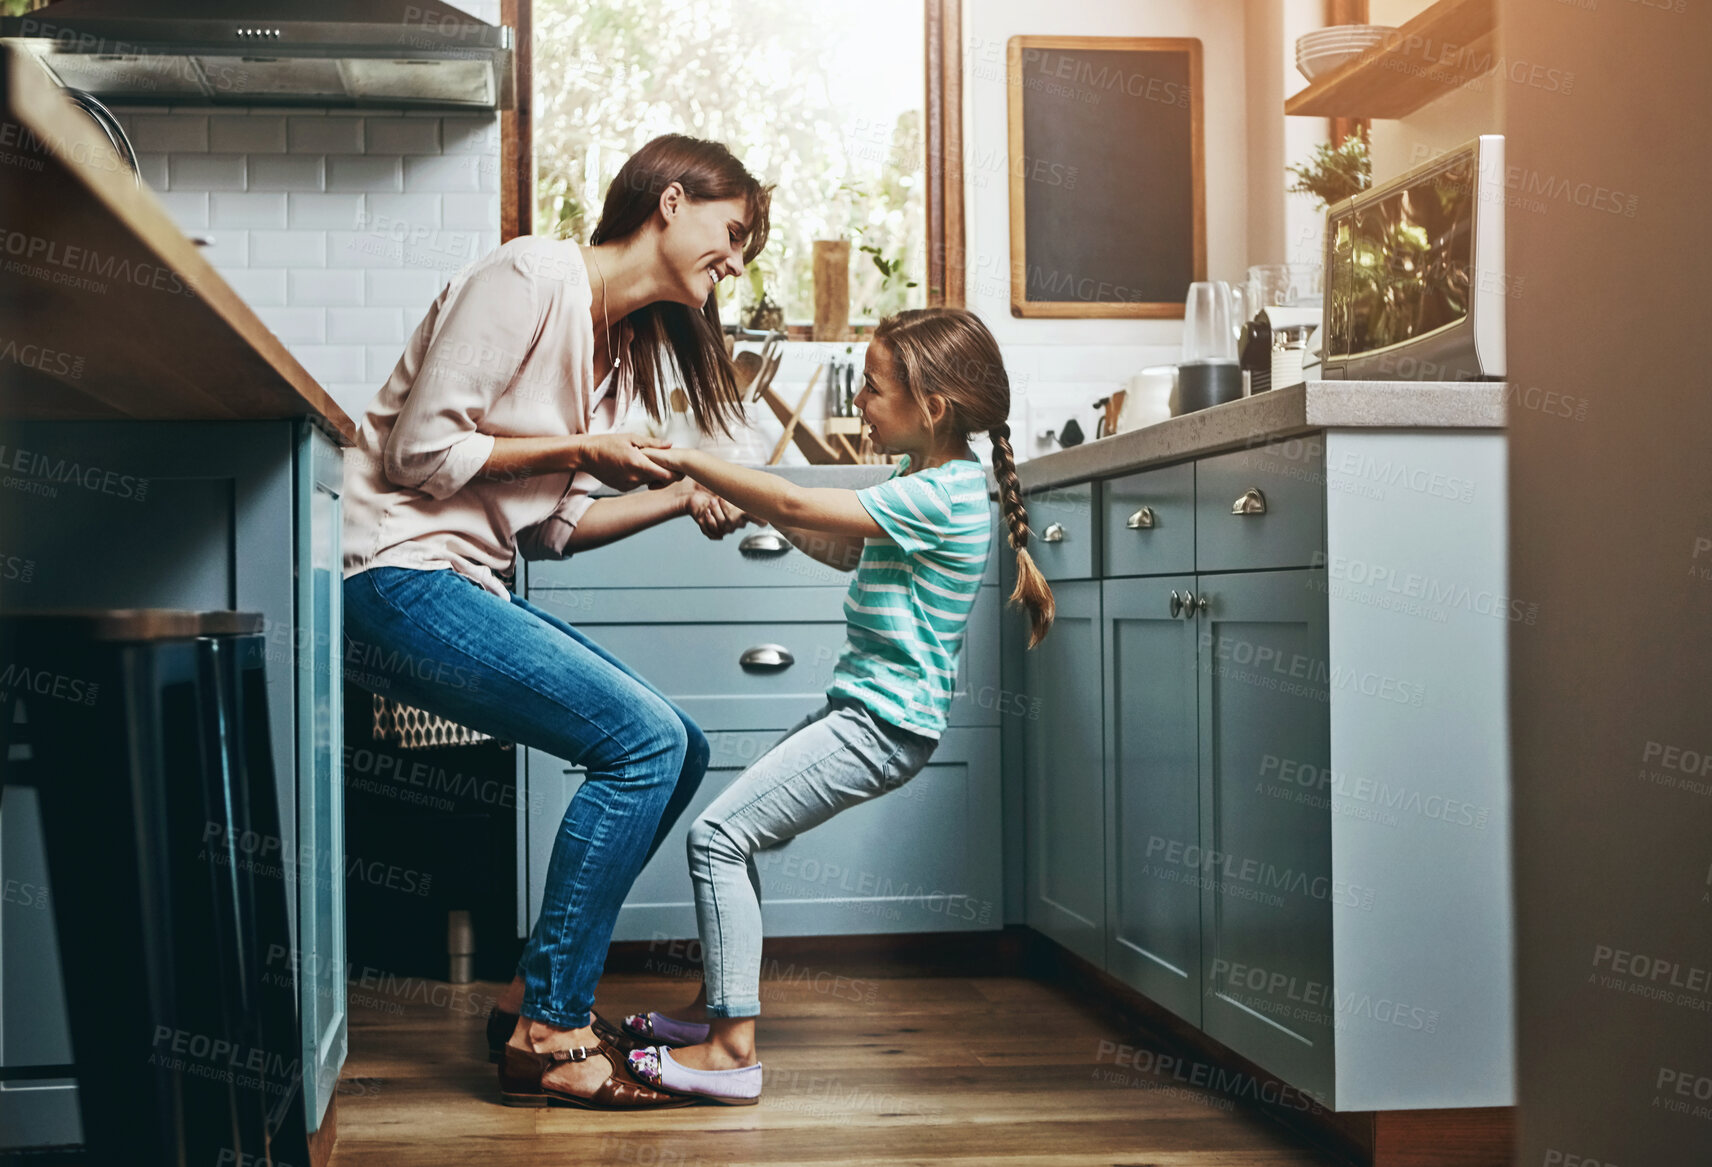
[(923, 858), (1282, 494), (677, 554), (1148, 522), (702, 667), (1062, 520)]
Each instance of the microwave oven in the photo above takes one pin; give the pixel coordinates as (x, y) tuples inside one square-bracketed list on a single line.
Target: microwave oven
[(1415, 285)]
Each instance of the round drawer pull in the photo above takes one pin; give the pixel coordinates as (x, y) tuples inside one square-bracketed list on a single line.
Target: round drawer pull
[(1142, 520), (770, 658), (1054, 533), (1252, 502), (764, 543)]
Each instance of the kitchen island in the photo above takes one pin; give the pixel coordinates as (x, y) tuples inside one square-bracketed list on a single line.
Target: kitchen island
[(159, 448)]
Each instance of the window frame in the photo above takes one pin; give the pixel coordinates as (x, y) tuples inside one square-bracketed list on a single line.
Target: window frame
[(943, 106)]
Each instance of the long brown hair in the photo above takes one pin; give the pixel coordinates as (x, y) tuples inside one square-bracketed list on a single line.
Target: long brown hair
[(706, 171), (948, 353)]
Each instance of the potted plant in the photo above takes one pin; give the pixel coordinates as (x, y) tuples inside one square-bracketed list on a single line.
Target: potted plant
[(1334, 173)]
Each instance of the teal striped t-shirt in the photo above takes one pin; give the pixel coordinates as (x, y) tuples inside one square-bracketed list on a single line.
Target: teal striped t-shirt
[(910, 600)]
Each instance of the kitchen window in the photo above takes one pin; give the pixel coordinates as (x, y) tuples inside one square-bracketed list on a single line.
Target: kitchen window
[(824, 99)]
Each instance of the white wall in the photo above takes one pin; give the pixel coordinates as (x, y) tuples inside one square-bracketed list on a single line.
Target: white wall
[(1060, 367)]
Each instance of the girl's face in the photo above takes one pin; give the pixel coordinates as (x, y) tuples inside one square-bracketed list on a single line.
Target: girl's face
[(702, 243), (895, 424)]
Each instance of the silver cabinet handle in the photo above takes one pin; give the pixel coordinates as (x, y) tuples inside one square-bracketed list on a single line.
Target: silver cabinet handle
[(767, 657), (1252, 502), (1142, 520), (764, 543), (1187, 604), (1054, 533)]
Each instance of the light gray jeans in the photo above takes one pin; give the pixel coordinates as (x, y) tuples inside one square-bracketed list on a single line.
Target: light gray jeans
[(834, 758)]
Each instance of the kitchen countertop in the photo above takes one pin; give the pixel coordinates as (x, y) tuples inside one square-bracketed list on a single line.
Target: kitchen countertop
[(110, 311), (1278, 413)]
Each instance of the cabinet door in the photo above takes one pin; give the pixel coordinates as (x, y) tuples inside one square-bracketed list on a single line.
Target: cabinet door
[(923, 858), (320, 775), (1153, 793), (1264, 861), (1063, 777)]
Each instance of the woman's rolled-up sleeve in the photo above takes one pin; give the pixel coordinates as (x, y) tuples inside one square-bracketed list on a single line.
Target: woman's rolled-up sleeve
[(486, 328), (548, 538)]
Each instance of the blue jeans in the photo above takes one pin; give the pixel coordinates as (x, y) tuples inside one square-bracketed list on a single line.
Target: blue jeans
[(834, 758), (439, 641)]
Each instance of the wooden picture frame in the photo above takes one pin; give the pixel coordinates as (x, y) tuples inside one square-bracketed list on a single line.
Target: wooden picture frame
[(1105, 206)]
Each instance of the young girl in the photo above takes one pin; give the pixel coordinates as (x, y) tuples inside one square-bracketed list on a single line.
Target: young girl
[(919, 544)]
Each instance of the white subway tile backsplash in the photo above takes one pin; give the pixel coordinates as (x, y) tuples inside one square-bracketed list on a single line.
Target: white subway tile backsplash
[(247, 133), (331, 362), (403, 136), (325, 135), (246, 209), (365, 172), (338, 228), (296, 326), (326, 210), (405, 216), (288, 248), (152, 169), (229, 249), (288, 172), (189, 209), (365, 325), (470, 135), (409, 287), (205, 172), (477, 212), (326, 287), (442, 172), (382, 360), (166, 133), (259, 287), (363, 249), (444, 250)]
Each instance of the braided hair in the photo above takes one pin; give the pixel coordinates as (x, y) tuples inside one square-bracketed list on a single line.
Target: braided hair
[(949, 353)]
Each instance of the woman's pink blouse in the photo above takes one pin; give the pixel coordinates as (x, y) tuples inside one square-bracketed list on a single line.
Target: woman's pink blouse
[(507, 349)]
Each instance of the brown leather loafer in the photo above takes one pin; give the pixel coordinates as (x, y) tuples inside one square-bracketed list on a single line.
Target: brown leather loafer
[(500, 1025), (521, 1071)]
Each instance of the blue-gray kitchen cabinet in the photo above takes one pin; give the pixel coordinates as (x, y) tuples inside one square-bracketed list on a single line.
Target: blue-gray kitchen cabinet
[(1152, 789), (1063, 776), (743, 633), (918, 859), (1263, 857)]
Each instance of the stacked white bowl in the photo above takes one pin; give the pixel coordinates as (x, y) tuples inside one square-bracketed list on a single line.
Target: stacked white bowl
[(1324, 49)]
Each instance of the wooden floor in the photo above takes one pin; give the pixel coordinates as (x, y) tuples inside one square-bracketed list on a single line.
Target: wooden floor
[(860, 1070)]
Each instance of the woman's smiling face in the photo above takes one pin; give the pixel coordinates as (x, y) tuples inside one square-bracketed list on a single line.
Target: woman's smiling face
[(702, 243)]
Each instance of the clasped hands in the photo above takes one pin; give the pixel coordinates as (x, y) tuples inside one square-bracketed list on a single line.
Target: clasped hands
[(624, 461)]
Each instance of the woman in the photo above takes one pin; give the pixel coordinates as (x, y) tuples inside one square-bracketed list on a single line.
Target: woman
[(487, 441)]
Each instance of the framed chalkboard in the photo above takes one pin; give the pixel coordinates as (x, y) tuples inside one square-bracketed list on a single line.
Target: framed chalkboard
[(1108, 198)]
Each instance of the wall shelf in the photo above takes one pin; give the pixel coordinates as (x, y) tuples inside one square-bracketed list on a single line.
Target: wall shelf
[(1447, 46)]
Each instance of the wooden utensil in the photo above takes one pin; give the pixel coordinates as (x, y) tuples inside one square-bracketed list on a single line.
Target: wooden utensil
[(791, 422), (749, 367)]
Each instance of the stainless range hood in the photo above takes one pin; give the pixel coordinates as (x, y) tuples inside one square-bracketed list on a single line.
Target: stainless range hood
[(357, 53)]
